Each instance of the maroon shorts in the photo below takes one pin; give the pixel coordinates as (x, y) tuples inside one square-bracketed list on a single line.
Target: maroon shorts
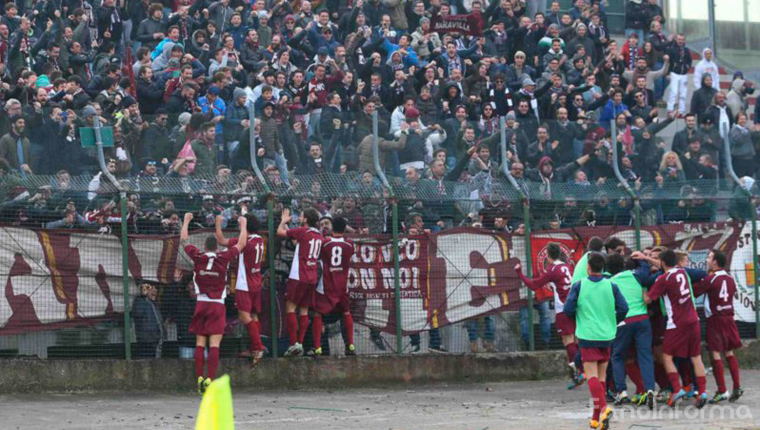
[(590, 355), (722, 334), (684, 342), (658, 329), (326, 305), (300, 293), (564, 324), (248, 301), (208, 319)]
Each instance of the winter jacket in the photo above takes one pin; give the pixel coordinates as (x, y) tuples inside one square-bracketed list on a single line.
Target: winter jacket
[(706, 67), (270, 137), (425, 48), (701, 99), (740, 139), (147, 28), (366, 161)]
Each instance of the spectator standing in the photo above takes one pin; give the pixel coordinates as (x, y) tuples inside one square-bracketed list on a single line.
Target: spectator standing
[(149, 325), (742, 147), (680, 63)]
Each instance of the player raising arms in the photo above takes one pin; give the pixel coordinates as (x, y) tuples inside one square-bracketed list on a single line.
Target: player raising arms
[(332, 290), (302, 282), (682, 334), (722, 334), (559, 278), (210, 277), (248, 285), (597, 305)]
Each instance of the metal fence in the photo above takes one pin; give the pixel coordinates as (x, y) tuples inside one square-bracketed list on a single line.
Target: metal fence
[(434, 265)]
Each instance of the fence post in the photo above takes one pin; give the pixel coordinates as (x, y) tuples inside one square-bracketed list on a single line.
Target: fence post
[(626, 185), (270, 228), (753, 224), (394, 230), (526, 221), (124, 237)]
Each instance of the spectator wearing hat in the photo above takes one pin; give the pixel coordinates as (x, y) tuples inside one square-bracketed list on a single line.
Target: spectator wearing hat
[(740, 90), (425, 42), (531, 95)]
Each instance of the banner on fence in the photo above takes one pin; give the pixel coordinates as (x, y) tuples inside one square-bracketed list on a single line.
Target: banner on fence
[(53, 278)]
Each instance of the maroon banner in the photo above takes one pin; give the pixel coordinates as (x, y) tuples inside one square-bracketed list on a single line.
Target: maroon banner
[(471, 24), (59, 278)]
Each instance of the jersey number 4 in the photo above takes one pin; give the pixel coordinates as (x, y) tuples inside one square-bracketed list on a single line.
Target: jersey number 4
[(724, 292)]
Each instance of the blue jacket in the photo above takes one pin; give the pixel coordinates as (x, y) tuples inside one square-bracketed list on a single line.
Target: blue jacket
[(609, 112), (410, 59)]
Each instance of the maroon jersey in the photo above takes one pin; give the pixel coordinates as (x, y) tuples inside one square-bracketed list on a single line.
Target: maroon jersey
[(719, 288), (249, 264), (306, 258), (559, 278), (336, 255), (210, 270), (673, 286)]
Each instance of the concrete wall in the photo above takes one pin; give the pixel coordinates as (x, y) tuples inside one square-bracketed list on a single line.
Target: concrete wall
[(29, 376)]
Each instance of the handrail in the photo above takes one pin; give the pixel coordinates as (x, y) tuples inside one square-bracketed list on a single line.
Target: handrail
[(625, 184), (376, 154), (252, 146), (526, 223), (504, 167), (753, 221), (124, 236)]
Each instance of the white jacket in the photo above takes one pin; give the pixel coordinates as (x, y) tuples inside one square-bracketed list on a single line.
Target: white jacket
[(706, 67)]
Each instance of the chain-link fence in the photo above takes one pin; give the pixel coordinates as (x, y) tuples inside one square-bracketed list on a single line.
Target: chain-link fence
[(433, 268)]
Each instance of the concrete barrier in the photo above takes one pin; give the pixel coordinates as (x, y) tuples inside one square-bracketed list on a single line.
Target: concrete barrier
[(30, 376)]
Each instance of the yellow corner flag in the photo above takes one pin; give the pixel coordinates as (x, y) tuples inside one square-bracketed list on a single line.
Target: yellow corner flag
[(216, 407)]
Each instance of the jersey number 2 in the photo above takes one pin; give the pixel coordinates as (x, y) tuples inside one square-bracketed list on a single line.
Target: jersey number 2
[(684, 286)]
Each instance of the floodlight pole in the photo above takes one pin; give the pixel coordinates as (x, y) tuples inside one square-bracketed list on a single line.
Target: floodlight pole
[(124, 237)]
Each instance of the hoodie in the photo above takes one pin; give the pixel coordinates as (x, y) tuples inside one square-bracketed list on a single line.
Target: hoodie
[(736, 98), (706, 67), (162, 61)]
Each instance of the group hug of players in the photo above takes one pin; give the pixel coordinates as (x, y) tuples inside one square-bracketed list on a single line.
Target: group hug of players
[(639, 312), (317, 283)]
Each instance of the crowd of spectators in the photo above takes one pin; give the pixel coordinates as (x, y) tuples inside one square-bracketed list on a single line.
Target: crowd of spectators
[(177, 82)]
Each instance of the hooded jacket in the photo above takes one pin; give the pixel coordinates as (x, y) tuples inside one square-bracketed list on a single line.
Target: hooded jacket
[(162, 61), (702, 98), (706, 67), (736, 97)]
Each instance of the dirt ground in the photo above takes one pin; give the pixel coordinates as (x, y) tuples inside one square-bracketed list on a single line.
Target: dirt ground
[(513, 405)]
